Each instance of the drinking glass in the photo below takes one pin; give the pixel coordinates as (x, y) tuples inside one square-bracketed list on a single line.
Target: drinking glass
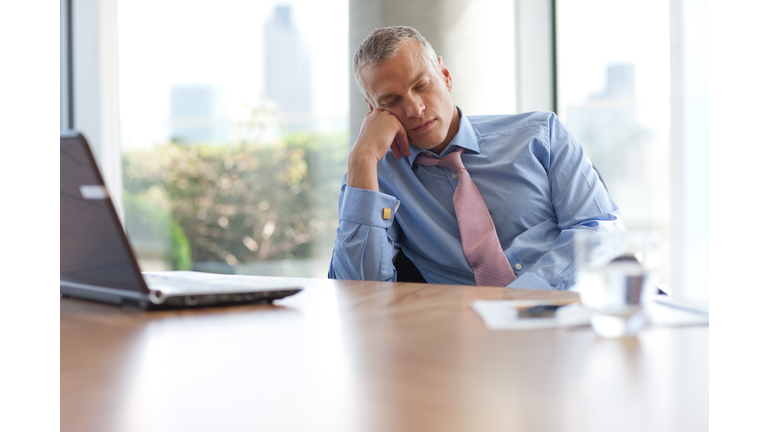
[(614, 272)]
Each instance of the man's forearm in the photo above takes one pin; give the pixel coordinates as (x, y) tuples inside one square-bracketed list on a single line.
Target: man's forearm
[(364, 248), (554, 269), (362, 252), (361, 171)]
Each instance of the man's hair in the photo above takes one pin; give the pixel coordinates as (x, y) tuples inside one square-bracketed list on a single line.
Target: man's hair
[(383, 44)]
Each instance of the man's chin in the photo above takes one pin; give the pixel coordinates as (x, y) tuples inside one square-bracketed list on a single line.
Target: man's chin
[(426, 145), (422, 146)]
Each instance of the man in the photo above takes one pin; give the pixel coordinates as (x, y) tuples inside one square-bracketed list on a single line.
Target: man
[(535, 181)]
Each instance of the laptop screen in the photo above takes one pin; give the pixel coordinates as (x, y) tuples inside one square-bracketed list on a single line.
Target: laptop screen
[(94, 249)]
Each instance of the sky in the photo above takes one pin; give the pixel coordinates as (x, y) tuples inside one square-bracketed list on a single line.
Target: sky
[(168, 42), (596, 33)]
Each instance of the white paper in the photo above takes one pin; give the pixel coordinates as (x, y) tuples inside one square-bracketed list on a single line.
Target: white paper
[(661, 313), (502, 315), (691, 305)]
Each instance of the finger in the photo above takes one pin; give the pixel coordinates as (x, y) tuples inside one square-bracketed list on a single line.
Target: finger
[(396, 148), (369, 104)]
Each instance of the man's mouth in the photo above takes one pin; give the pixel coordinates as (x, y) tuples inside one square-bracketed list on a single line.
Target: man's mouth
[(424, 126)]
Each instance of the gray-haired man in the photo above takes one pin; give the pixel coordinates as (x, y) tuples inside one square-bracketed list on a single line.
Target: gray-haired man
[(531, 172)]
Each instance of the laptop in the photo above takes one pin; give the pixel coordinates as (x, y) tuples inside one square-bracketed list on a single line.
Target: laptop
[(97, 262)]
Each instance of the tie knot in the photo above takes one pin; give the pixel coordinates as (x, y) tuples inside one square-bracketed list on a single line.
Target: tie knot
[(451, 161)]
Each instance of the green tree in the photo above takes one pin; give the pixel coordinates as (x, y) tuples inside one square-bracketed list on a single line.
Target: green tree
[(244, 202)]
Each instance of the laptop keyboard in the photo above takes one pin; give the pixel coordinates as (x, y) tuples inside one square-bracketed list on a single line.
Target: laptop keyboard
[(208, 283)]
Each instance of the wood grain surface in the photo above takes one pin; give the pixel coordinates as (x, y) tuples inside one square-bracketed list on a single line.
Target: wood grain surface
[(370, 356)]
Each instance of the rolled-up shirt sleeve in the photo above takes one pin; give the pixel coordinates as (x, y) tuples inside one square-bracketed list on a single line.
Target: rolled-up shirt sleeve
[(366, 240), (580, 201)]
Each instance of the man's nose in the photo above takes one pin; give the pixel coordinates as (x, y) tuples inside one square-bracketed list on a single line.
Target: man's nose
[(413, 107)]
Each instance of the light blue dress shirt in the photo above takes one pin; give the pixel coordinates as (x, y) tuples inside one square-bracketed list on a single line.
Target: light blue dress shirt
[(537, 182)]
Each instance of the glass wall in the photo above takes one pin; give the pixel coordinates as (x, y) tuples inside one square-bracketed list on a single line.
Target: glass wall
[(234, 131), (614, 94)]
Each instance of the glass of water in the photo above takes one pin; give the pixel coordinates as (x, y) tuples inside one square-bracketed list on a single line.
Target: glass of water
[(614, 272)]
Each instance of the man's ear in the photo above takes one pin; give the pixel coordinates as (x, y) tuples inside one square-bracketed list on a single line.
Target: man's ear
[(446, 73)]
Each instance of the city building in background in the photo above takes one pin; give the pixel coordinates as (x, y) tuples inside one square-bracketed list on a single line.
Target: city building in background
[(287, 72), (198, 114), (619, 82)]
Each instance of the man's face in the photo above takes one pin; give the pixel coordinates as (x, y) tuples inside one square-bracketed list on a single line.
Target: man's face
[(408, 87)]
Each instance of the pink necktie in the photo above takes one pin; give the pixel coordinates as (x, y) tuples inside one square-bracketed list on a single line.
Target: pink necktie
[(478, 234)]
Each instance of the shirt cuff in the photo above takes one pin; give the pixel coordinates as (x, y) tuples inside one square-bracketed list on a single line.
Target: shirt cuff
[(366, 207), (530, 281)]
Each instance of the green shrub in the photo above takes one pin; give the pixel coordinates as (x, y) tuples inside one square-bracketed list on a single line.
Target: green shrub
[(153, 233), (244, 202), (181, 253)]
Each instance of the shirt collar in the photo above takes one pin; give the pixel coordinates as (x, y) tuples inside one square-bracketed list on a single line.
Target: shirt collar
[(465, 137)]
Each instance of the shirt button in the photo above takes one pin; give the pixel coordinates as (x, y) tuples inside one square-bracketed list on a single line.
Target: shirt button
[(454, 175), (518, 266)]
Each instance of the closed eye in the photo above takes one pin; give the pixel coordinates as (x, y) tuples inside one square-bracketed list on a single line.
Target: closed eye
[(388, 103)]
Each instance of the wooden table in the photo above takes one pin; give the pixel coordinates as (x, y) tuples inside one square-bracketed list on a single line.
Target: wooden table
[(370, 356)]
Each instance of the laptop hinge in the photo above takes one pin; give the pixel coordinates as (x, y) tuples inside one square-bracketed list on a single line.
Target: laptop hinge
[(110, 295)]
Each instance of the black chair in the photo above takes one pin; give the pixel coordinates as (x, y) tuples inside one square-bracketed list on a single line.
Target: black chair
[(407, 270)]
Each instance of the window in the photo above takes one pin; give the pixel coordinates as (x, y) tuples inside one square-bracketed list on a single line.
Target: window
[(614, 94), (234, 133)]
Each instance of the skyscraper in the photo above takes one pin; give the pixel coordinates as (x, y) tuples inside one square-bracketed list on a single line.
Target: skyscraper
[(619, 82), (286, 63)]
